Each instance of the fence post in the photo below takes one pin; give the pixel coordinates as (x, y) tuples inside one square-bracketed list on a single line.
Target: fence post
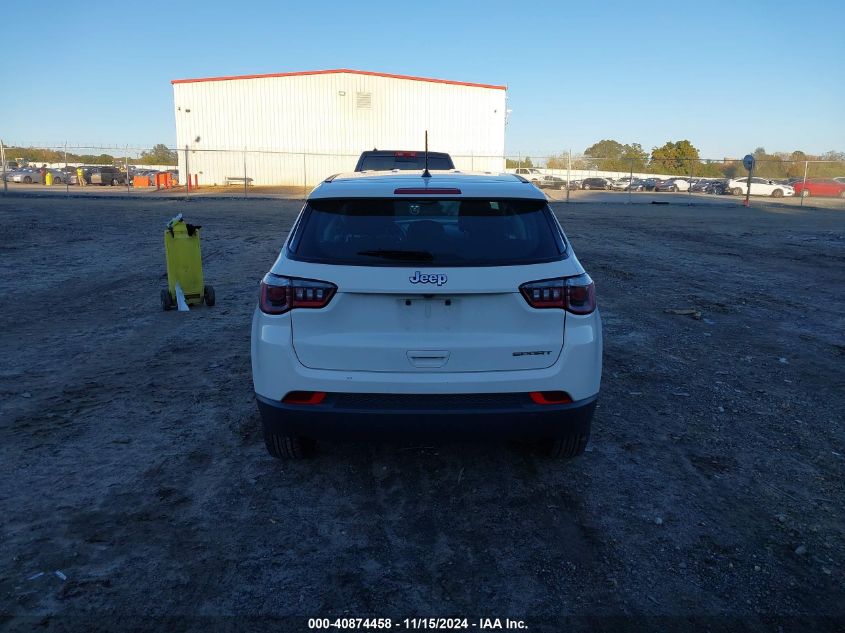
[(689, 189), (187, 175), (804, 184), (568, 174), (631, 181), (3, 160), (126, 165), (67, 176)]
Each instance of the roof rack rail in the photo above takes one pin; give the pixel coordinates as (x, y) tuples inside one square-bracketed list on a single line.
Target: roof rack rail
[(332, 177), (518, 177)]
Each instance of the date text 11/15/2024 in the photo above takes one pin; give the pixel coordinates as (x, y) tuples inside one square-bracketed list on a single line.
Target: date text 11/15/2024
[(416, 624)]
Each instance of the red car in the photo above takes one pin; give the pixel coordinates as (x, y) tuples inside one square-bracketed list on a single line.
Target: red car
[(820, 187)]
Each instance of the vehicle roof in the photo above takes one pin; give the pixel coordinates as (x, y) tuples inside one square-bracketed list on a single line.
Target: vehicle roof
[(382, 184), (391, 152)]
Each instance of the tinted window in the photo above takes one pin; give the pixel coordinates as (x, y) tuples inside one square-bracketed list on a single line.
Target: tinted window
[(436, 232), (413, 161)]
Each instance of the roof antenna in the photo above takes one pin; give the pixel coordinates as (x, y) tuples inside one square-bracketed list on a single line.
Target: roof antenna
[(425, 173)]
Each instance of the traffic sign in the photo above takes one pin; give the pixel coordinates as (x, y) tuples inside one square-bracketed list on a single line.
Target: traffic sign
[(748, 162)]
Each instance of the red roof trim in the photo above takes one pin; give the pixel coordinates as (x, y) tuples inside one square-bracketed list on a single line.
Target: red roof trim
[(340, 70)]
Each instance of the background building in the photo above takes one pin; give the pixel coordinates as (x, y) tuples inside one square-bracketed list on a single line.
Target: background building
[(298, 128)]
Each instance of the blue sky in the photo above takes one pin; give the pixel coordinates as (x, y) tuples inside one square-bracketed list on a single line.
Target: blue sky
[(728, 76)]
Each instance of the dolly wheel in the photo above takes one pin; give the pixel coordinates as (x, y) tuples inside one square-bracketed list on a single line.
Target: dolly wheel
[(208, 294), (166, 300)]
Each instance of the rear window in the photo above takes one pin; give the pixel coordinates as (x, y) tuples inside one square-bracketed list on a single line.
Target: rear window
[(406, 160), (420, 232)]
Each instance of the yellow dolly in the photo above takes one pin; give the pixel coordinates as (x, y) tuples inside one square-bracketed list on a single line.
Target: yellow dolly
[(184, 265)]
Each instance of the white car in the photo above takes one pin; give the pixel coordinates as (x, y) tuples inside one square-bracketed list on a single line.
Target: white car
[(450, 305), (759, 187), (531, 174)]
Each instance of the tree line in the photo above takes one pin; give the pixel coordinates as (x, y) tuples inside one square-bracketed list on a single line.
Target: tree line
[(159, 155), (682, 157)]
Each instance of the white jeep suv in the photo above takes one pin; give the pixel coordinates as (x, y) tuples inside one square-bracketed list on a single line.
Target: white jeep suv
[(447, 306)]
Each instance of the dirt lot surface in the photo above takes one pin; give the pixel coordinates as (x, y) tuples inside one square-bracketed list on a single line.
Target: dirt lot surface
[(131, 458)]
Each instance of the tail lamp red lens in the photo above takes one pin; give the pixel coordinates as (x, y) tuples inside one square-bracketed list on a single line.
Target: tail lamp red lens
[(573, 294), (304, 397), (550, 397), (280, 294)]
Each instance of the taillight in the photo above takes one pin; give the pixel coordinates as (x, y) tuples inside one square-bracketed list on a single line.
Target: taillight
[(550, 397), (279, 294), (573, 294), (304, 397)]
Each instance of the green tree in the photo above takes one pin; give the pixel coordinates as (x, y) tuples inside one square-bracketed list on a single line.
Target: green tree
[(611, 155), (159, 155), (675, 157), (524, 161)]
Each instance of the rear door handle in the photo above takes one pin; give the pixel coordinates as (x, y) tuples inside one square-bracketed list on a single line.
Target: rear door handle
[(428, 358)]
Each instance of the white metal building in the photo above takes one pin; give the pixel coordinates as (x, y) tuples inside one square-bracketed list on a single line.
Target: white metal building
[(299, 128)]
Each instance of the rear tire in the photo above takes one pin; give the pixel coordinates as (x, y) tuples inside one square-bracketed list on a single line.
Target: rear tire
[(27, 180), (208, 295), (566, 447), (777, 193), (736, 191), (586, 187), (285, 447)]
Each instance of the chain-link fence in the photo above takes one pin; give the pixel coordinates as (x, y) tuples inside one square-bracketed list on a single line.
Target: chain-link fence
[(197, 170)]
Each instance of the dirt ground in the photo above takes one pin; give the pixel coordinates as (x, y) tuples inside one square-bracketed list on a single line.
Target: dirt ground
[(131, 459)]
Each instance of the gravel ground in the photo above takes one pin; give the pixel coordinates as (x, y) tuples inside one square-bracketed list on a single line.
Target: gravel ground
[(131, 458)]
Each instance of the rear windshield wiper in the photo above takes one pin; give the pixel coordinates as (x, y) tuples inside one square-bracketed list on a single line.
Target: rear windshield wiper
[(411, 256)]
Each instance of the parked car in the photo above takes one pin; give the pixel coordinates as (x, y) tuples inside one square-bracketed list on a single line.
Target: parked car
[(627, 184), (31, 175), (531, 174), (717, 187), (486, 322), (829, 187), (650, 183), (672, 184), (759, 187), (555, 182), (595, 183), (105, 175), (387, 160)]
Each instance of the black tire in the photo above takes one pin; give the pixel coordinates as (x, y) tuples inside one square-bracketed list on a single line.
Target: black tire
[(166, 300), (736, 191), (566, 447), (284, 447), (114, 182), (27, 180), (586, 187), (777, 193), (208, 295), (805, 193)]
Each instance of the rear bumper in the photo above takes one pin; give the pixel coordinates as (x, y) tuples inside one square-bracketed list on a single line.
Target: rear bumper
[(413, 416)]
